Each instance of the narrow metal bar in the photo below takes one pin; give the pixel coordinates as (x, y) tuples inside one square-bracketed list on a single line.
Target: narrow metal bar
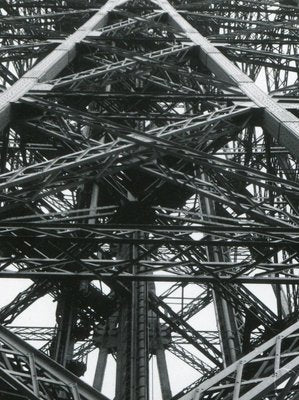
[(277, 354), (75, 392), (238, 381), (163, 374), (33, 373), (203, 278)]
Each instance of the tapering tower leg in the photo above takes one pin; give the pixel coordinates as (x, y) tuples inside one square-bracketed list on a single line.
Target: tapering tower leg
[(133, 350)]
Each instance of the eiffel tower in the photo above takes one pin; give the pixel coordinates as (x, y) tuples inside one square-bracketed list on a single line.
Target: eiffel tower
[(149, 186)]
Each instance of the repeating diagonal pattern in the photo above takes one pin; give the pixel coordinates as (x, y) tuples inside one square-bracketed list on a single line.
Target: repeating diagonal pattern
[(149, 178)]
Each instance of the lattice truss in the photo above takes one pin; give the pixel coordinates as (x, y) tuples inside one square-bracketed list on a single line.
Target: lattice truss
[(149, 177)]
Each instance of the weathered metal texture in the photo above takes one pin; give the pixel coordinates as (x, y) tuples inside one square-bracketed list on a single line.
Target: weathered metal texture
[(151, 145)]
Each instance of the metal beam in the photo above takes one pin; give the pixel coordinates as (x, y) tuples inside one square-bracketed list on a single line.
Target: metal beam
[(54, 63), (253, 387), (43, 369), (204, 278), (278, 122)]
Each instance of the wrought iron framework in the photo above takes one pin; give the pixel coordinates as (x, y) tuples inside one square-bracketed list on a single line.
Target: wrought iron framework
[(149, 177)]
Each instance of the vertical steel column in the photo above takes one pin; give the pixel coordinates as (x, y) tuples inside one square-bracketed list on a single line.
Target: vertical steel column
[(159, 350), (100, 369), (103, 353), (139, 383), (140, 345), (226, 320), (63, 344), (133, 350), (123, 365)]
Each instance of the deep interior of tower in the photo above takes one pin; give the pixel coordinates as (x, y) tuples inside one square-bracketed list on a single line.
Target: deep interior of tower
[(149, 207)]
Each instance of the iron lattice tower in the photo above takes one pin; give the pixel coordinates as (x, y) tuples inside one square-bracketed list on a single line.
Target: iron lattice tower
[(149, 176)]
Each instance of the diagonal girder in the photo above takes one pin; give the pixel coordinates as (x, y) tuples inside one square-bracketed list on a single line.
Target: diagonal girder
[(23, 300), (263, 371), (112, 151), (280, 123), (29, 371), (183, 328), (190, 359), (120, 66), (51, 65)]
